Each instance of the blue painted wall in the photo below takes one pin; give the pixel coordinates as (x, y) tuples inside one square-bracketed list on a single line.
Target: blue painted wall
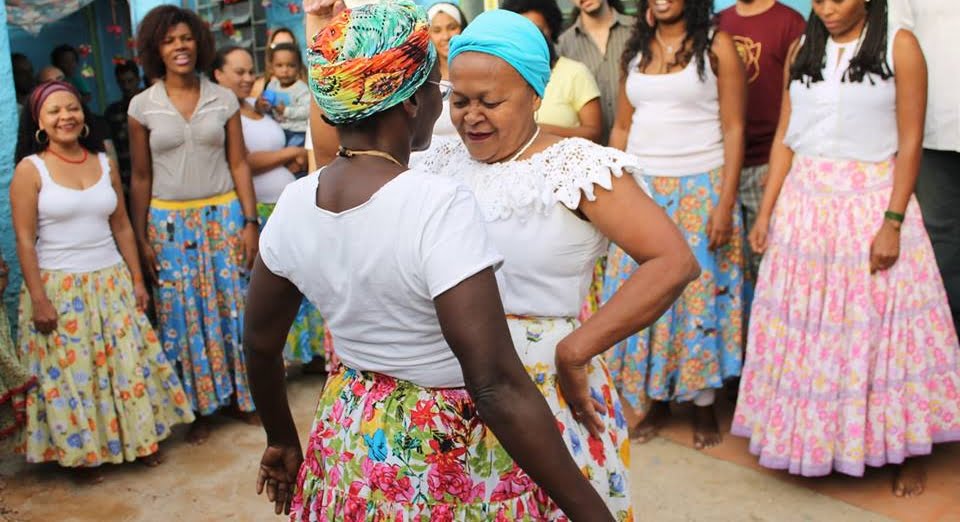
[(8, 140), (140, 8), (75, 30)]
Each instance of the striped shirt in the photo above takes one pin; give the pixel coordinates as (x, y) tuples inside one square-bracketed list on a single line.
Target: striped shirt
[(576, 43)]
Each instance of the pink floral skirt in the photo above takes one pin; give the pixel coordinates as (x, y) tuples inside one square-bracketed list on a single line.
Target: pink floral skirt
[(386, 449), (845, 369)]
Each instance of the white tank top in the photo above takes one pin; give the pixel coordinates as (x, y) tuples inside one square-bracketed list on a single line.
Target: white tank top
[(676, 121), (840, 119), (73, 226), (266, 135)]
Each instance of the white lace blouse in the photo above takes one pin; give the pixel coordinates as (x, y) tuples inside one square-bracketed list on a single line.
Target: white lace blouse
[(549, 252)]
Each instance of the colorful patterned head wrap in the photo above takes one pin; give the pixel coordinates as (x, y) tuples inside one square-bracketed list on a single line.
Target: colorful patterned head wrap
[(369, 59), (43, 91), (513, 39)]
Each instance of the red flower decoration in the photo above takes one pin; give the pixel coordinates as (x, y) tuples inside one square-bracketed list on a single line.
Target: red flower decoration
[(115, 30), (294, 8), (117, 60), (83, 50), (228, 28), (131, 43)]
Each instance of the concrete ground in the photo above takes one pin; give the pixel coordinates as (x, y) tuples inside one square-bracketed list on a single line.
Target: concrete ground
[(670, 483)]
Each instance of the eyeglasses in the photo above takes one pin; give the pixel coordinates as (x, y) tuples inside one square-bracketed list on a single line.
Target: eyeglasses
[(446, 88)]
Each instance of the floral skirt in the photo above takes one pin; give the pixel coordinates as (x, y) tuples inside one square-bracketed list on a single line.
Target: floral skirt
[(106, 392), (384, 449), (592, 303), (201, 297), (15, 381), (305, 341), (844, 368), (696, 344)]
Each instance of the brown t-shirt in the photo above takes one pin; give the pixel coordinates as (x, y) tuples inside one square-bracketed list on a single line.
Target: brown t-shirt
[(763, 42)]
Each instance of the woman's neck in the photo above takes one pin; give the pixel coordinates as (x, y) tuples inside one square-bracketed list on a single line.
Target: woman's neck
[(394, 144), (70, 148), (181, 81), (671, 30)]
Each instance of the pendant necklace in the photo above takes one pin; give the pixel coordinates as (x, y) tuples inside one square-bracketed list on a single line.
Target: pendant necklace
[(349, 153), (527, 146)]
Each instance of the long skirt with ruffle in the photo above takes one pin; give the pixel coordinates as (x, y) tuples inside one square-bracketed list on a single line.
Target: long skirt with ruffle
[(846, 369), (201, 297), (305, 341), (106, 392), (15, 381), (384, 449), (697, 344)]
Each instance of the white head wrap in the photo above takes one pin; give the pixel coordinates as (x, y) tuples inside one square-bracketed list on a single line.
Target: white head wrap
[(448, 9)]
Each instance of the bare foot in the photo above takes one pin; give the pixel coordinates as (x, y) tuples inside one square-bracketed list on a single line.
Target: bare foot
[(910, 478), (246, 417), (317, 366), (151, 461), (199, 431), (649, 427), (88, 476), (706, 429)]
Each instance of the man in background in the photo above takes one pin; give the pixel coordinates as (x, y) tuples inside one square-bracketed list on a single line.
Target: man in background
[(597, 38), (127, 75), (935, 22)]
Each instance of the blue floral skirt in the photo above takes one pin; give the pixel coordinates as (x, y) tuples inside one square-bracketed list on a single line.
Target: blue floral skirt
[(696, 344), (201, 296)]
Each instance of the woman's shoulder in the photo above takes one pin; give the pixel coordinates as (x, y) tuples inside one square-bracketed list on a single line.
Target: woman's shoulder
[(573, 67), (573, 167)]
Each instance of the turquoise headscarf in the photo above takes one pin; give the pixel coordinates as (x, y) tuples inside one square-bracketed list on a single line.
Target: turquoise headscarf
[(369, 59), (512, 38)]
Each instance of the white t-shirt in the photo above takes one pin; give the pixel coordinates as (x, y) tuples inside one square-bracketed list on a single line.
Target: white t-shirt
[(549, 252), (374, 270), (266, 135)]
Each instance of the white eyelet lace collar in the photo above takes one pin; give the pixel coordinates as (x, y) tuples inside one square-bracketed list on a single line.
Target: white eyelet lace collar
[(520, 189)]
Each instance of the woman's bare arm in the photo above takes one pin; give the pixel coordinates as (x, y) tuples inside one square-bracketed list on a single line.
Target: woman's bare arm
[(473, 322), (591, 123), (24, 194), (623, 119)]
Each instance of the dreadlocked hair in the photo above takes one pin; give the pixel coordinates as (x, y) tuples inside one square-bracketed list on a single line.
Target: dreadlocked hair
[(698, 15), (871, 57)]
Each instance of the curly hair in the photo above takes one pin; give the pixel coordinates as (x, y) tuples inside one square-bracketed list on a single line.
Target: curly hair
[(153, 29), (27, 143), (548, 9), (871, 58), (698, 15)]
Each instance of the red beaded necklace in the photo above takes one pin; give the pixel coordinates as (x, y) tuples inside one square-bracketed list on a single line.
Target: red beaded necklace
[(68, 160)]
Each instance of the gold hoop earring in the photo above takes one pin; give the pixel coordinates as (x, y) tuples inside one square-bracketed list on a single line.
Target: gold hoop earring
[(37, 136), (86, 131)]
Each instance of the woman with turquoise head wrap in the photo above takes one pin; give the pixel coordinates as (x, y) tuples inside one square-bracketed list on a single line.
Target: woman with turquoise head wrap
[(398, 262), (552, 205)]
